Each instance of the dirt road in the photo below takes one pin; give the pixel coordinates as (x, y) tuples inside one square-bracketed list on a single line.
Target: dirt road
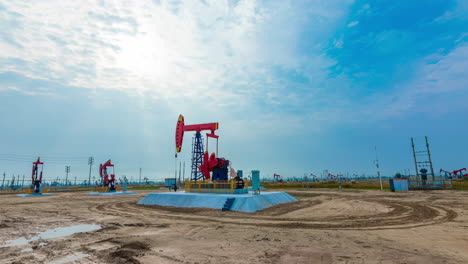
[(323, 227)]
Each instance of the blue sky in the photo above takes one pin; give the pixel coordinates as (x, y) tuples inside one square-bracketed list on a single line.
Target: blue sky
[(297, 86)]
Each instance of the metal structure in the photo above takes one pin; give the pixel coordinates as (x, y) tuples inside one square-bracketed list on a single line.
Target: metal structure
[(90, 163), (314, 177), (277, 177), (105, 180), (423, 162), (197, 144), (3, 181), (448, 174), (197, 157), (332, 177), (36, 176), (377, 165), (456, 173), (67, 170), (235, 186)]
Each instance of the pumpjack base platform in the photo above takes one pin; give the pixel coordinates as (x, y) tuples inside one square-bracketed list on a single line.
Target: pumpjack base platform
[(248, 203), (110, 193), (36, 195)]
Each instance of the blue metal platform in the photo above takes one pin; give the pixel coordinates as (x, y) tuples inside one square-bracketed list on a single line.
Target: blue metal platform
[(242, 202), (110, 193), (36, 195)]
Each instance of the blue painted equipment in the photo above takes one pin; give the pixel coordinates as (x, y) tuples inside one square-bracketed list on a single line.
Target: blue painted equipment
[(256, 181), (124, 184), (171, 184), (220, 172), (398, 185)]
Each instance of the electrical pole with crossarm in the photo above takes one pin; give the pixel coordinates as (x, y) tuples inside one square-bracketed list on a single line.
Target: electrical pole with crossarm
[(90, 163), (67, 170)]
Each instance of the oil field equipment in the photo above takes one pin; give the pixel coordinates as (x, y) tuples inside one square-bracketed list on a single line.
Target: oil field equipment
[(36, 176), (171, 184), (425, 178), (106, 181), (202, 163), (447, 174), (256, 181), (422, 160), (277, 178), (206, 166), (213, 183), (459, 176)]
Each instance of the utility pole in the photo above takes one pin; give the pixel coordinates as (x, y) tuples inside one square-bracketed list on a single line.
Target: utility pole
[(75, 180), (12, 183), (183, 177), (376, 162), (139, 182), (415, 160), (3, 181), (180, 171), (90, 163), (67, 170), (22, 184), (430, 160)]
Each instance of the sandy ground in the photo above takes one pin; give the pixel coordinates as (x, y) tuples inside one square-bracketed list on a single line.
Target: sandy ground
[(323, 227)]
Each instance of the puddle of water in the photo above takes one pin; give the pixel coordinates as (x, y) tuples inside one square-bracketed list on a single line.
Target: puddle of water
[(27, 250), (70, 258), (52, 233)]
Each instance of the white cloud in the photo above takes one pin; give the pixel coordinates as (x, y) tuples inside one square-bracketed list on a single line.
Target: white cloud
[(353, 23), (458, 11), (434, 90), (171, 49), (203, 55)]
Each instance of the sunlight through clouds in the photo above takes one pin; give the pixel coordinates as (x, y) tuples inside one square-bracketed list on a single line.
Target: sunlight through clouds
[(298, 68)]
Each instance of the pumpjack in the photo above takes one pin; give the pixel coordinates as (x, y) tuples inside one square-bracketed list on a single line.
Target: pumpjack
[(448, 174), (277, 178), (204, 165), (36, 176), (105, 180), (460, 176)]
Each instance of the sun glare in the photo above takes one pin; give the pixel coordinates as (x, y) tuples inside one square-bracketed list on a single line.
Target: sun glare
[(146, 55)]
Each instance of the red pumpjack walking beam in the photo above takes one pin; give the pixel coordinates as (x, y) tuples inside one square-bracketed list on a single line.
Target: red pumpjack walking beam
[(181, 128)]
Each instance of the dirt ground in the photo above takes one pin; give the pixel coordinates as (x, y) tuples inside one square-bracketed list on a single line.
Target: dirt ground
[(323, 227)]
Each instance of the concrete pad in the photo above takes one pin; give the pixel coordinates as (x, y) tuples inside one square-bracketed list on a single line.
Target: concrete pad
[(110, 193), (243, 202), (261, 188), (36, 195)]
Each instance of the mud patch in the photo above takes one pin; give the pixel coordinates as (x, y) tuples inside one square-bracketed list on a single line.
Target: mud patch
[(128, 252)]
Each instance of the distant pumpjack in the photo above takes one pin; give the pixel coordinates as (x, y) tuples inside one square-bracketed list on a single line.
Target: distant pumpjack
[(36, 176), (105, 180), (455, 172)]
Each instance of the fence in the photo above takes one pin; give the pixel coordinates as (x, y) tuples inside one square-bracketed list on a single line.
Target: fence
[(230, 186), (460, 185), (439, 183)]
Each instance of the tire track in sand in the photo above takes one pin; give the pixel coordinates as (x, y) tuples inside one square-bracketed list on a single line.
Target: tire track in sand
[(402, 214)]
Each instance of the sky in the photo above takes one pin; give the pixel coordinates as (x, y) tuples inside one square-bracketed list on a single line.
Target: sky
[(296, 86)]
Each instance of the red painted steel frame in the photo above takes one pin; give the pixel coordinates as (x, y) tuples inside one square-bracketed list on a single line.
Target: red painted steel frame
[(36, 167), (181, 128)]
